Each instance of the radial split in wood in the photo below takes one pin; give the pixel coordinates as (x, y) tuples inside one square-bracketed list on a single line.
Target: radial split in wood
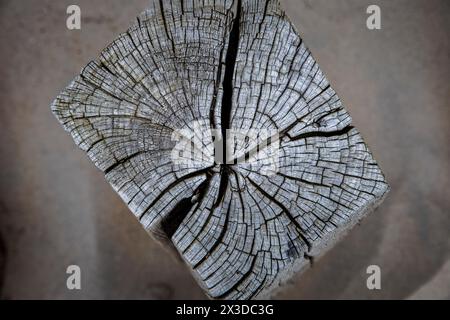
[(220, 66)]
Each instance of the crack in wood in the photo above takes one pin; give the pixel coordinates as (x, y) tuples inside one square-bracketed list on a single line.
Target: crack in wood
[(302, 231), (171, 222), (230, 61)]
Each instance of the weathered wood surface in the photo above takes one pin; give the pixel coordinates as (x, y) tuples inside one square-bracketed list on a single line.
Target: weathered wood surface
[(224, 64)]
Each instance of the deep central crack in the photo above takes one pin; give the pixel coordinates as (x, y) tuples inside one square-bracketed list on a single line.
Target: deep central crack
[(176, 216), (230, 62)]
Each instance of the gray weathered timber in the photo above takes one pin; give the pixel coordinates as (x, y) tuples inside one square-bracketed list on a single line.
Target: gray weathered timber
[(233, 65)]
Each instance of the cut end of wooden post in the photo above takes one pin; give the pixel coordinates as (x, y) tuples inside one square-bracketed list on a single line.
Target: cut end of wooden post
[(217, 127)]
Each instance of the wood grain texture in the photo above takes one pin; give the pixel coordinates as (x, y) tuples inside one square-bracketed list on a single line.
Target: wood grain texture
[(237, 65)]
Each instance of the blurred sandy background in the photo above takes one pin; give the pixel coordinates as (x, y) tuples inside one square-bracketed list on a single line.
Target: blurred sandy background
[(56, 209)]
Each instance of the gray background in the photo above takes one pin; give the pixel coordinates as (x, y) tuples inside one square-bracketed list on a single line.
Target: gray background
[(56, 209)]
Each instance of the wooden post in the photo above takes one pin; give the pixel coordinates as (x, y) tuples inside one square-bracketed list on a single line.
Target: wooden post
[(189, 68)]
